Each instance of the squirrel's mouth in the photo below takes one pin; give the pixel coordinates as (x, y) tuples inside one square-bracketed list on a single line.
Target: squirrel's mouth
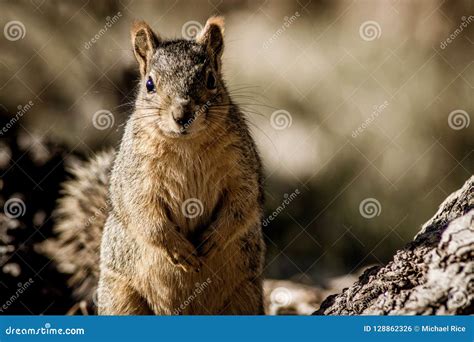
[(171, 127), (178, 134)]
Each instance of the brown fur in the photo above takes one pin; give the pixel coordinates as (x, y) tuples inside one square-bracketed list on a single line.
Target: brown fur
[(80, 217), (155, 259)]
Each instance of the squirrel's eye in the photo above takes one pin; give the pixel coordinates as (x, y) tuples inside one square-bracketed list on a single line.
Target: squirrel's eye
[(150, 85), (211, 81)]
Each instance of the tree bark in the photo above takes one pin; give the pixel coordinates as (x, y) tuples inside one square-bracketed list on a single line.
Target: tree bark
[(432, 275)]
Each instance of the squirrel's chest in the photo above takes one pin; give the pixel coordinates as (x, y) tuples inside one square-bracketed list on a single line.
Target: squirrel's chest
[(191, 190)]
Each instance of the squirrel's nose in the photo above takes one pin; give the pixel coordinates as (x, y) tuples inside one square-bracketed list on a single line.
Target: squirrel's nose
[(183, 118)]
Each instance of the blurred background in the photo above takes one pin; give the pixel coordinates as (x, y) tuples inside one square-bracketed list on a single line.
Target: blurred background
[(361, 109)]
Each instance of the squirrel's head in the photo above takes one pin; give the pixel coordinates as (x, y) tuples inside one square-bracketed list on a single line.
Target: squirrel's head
[(181, 91)]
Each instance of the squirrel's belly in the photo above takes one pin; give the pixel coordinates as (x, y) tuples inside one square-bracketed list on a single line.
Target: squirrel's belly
[(174, 291), (170, 290)]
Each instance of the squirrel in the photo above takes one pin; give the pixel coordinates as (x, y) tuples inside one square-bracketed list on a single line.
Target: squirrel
[(180, 225)]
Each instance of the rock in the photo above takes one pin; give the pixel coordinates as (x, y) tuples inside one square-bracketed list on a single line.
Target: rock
[(432, 275), (283, 297)]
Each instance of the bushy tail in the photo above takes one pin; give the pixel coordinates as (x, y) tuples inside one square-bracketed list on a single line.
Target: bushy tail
[(80, 218)]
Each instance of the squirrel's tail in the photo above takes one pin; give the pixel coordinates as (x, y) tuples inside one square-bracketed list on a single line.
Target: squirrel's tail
[(80, 217)]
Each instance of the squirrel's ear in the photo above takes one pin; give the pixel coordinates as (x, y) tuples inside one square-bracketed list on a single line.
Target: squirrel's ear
[(144, 42), (212, 35)]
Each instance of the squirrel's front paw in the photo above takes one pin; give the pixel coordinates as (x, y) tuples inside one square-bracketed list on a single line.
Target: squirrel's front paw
[(210, 245), (181, 252), (190, 262)]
